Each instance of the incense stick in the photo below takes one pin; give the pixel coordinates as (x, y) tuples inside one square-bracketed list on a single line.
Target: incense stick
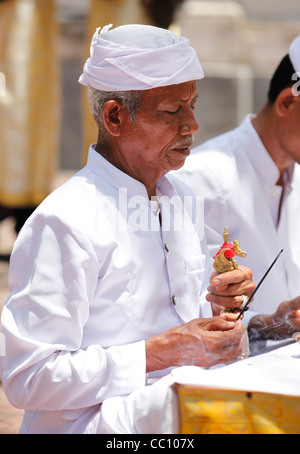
[(258, 285)]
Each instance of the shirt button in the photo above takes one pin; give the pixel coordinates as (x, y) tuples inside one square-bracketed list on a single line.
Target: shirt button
[(174, 301), (166, 247)]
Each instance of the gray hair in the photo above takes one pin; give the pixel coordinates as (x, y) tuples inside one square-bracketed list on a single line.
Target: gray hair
[(97, 98)]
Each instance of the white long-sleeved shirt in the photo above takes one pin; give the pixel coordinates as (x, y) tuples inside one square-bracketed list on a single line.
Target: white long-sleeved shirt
[(237, 178), (93, 274)]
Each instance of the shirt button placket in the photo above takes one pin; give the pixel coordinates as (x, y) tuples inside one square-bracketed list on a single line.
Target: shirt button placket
[(173, 299)]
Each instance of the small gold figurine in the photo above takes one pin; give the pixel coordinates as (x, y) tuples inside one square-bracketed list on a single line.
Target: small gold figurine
[(224, 258)]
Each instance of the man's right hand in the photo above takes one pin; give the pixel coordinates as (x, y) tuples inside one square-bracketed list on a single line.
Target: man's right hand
[(200, 342)]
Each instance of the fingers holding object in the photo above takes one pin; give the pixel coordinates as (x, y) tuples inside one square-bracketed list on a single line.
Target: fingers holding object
[(230, 302), (236, 282)]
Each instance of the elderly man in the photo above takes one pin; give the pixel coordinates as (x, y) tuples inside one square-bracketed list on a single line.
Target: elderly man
[(109, 274), (250, 179)]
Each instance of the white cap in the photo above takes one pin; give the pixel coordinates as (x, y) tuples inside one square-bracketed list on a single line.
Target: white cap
[(294, 54), (139, 57)]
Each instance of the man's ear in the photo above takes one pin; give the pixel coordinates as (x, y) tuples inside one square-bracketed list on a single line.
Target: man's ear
[(112, 114), (284, 102)]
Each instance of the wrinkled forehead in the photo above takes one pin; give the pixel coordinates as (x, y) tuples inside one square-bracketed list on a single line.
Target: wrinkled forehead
[(171, 94)]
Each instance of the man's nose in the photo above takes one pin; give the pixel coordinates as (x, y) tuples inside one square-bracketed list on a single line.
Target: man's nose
[(189, 124)]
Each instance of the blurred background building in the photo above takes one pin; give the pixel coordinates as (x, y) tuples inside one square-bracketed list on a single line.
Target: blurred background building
[(29, 105)]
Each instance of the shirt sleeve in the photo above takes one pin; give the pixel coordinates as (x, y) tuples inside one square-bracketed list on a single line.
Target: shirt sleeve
[(53, 275)]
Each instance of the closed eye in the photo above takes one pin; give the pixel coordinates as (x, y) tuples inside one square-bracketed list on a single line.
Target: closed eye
[(172, 112)]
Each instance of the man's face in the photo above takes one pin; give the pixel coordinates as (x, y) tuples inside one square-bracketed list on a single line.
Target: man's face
[(160, 138)]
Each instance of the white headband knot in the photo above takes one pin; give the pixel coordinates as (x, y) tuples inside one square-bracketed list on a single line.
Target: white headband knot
[(139, 57)]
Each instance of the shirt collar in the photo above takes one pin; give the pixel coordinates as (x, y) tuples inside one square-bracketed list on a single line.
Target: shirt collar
[(258, 155), (261, 159), (118, 179)]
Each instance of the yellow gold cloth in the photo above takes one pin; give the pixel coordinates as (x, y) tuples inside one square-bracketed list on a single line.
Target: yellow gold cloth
[(29, 111), (204, 410)]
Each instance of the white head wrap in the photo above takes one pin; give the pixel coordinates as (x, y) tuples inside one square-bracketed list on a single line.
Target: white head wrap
[(294, 54), (139, 57)]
